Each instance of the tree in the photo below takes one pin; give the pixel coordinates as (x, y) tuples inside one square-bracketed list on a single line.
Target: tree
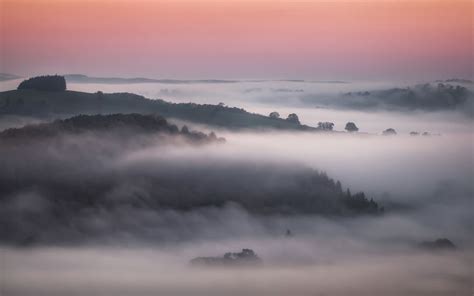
[(275, 115), (327, 126), (185, 130), (389, 132), (293, 118), (339, 186), (351, 127)]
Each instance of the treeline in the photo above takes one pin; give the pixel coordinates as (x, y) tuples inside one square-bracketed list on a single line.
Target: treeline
[(44, 83), (427, 96), (422, 97)]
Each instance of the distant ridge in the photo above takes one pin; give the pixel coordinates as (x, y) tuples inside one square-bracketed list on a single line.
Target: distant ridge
[(7, 76), (80, 78), (312, 81), (456, 80)]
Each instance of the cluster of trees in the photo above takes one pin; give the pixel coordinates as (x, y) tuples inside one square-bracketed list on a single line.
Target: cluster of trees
[(293, 118), (413, 133), (393, 132), (246, 257), (329, 126), (44, 83), (359, 202), (350, 126), (326, 126)]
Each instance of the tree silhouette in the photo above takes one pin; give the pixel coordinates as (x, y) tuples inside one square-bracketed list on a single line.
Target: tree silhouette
[(351, 127), (274, 114), (327, 126), (185, 129), (389, 132), (293, 118)]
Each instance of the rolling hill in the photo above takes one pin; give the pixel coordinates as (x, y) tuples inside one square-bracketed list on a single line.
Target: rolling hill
[(54, 104)]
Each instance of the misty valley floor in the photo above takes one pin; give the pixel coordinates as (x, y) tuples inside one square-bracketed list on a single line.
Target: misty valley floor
[(92, 210), (363, 255), (144, 271)]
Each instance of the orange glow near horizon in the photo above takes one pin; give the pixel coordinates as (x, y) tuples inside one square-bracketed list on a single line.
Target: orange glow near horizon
[(339, 39)]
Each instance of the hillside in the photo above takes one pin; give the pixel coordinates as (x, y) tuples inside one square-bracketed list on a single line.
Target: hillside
[(48, 104), (82, 191), (131, 125), (96, 177)]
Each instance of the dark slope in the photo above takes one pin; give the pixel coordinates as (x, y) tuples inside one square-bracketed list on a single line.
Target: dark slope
[(88, 178), (127, 126), (50, 198), (59, 104)]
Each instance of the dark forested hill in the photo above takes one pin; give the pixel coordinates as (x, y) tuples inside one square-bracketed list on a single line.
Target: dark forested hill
[(47, 197), (90, 177), (115, 124), (52, 104)]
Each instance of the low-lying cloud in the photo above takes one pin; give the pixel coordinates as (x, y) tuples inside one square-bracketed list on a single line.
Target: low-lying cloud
[(424, 183)]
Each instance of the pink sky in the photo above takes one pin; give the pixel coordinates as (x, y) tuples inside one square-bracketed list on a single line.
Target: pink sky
[(239, 38)]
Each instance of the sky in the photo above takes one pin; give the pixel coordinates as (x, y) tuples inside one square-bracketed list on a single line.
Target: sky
[(349, 40)]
